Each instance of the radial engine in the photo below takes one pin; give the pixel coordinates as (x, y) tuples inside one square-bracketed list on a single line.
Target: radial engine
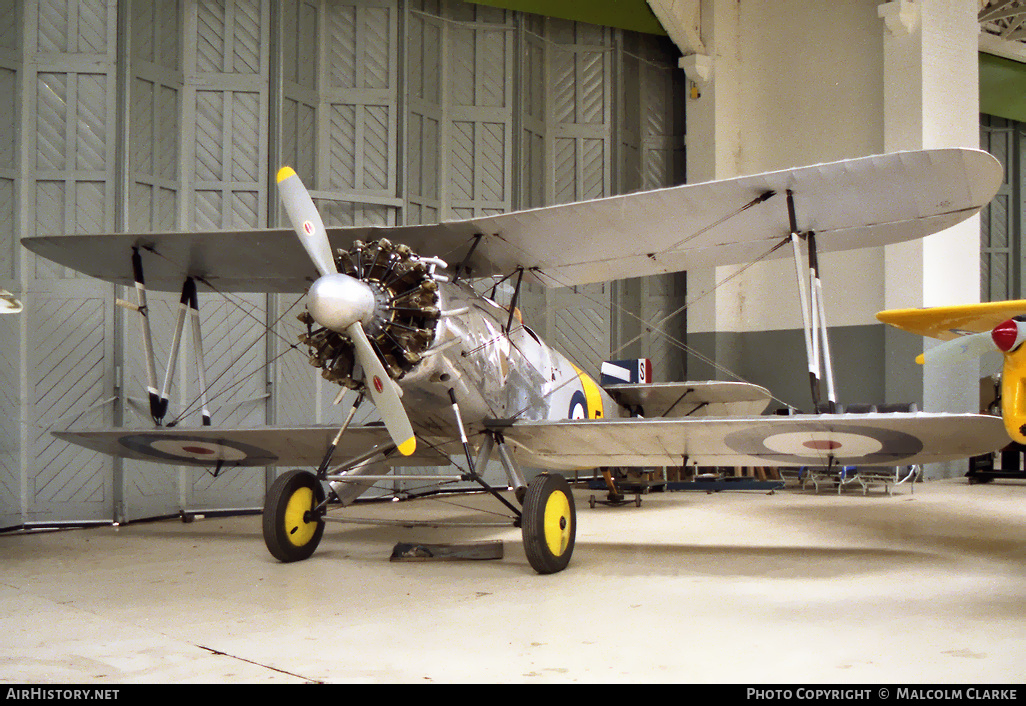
[(405, 312)]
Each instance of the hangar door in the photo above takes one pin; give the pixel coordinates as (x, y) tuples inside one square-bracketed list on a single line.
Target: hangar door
[(174, 115), (1002, 220)]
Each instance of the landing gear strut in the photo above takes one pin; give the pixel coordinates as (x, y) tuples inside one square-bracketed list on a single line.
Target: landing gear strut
[(293, 519)]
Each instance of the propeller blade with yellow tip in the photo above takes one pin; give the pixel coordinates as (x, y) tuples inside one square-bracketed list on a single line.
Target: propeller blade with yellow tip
[(336, 298), (306, 220), (384, 392), (973, 345)]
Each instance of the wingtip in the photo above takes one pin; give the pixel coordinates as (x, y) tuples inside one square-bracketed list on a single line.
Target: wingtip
[(284, 173)]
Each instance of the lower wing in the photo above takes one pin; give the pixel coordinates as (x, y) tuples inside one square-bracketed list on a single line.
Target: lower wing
[(877, 439), (243, 447), (799, 440)]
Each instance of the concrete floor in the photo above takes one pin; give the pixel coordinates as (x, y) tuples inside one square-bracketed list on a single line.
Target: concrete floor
[(732, 587)]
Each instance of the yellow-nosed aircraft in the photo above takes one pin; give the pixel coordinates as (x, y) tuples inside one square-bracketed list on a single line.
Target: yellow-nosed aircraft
[(971, 330)]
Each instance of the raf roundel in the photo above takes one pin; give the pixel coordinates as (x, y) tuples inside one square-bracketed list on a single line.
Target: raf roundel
[(832, 443), (193, 450), (820, 444), (578, 406)]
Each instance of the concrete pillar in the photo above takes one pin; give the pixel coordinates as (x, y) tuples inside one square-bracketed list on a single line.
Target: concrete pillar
[(795, 82), (713, 152), (931, 99)]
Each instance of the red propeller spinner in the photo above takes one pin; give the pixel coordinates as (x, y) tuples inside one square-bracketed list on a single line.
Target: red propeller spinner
[(1009, 335)]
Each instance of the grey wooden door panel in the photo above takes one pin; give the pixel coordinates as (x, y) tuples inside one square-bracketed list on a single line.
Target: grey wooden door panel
[(393, 112)]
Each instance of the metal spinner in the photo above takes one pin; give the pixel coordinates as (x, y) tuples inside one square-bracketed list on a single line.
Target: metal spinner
[(405, 312)]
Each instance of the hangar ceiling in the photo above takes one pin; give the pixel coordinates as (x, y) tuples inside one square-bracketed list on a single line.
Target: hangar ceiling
[(1002, 22), (1003, 28), (1004, 18)]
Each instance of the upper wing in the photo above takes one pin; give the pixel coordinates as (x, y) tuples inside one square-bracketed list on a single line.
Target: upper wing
[(693, 399), (253, 446), (948, 322), (799, 440), (864, 202)]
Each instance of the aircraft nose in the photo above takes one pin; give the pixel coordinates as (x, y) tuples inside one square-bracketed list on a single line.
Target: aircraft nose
[(337, 301)]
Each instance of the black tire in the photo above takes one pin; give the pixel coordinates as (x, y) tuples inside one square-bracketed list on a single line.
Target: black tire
[(549, 523), (289, 533)]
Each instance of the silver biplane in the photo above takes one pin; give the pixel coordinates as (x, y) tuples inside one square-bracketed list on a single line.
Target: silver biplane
[(454, 374)]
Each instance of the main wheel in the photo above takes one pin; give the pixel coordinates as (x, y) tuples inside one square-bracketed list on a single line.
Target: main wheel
[(291, 533), (549, 523)]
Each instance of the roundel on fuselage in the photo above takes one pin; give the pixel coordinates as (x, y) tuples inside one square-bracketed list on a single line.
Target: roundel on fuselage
[(578, 406), (585, 403)]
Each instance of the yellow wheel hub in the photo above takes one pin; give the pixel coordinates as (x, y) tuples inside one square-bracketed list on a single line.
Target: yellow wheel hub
[(299, 531), (557, 523)]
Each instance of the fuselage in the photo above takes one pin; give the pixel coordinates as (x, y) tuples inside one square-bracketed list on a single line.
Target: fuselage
[(495, 375)]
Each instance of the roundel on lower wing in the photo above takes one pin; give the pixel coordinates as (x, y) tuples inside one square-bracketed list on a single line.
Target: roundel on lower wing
[(196, 450), (819, 444)]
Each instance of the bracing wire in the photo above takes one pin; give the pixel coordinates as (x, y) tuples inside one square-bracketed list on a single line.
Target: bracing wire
[(656, 328)]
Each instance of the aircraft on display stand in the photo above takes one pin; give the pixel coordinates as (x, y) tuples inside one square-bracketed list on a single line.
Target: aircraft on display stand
[(454, 374)]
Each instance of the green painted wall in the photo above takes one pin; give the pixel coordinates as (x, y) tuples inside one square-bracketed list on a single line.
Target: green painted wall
[(633, 15), (1002, 87)]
